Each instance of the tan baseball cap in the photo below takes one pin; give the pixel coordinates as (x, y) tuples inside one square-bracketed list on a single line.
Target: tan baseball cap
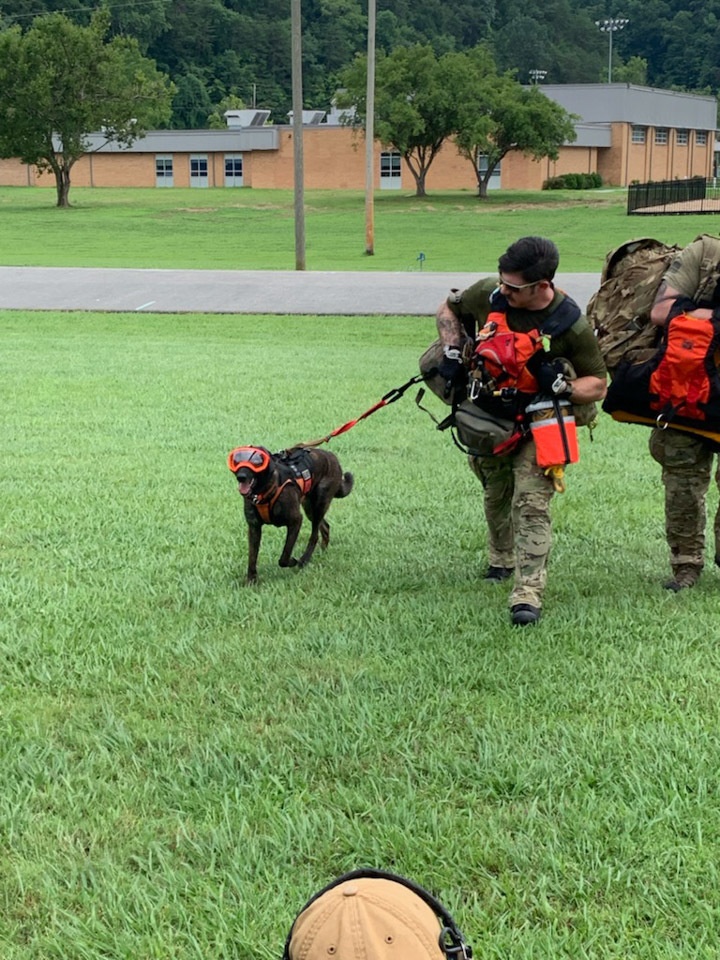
[(370, 918)]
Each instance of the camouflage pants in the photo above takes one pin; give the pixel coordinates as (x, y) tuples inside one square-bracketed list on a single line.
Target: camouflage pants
[(517, 510), (686, 472)]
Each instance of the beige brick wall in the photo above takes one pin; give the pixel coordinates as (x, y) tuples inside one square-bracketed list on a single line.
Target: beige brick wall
[(612, 162), (16, 174), (523, 173), (334, 158)]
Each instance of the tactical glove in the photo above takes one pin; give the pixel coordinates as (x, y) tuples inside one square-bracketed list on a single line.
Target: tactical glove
[(451, 369), (552, 380)]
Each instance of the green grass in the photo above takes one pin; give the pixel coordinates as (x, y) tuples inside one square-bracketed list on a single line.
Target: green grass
[(254, 229), (184, 760)]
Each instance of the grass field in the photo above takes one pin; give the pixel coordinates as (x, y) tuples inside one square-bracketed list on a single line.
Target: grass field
[(185, 760), (254, 229)]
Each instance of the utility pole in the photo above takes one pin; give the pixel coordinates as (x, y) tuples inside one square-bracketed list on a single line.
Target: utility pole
[(610, 26), (370, 135), (297, 127)]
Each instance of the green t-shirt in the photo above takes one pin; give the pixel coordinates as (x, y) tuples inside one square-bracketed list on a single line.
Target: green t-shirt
[(695, 271), (577, 344), (684, 272)]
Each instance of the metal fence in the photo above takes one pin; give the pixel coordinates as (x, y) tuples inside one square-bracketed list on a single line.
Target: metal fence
[(695, 195)]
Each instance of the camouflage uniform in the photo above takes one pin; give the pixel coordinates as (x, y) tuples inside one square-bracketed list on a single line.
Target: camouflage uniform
[(686, 472), (687, 460), (517, 493), (517, 510)]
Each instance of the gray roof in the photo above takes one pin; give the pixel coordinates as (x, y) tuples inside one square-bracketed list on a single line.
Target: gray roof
[(191, 141), (641, 106), (597, 104), (593, 135)]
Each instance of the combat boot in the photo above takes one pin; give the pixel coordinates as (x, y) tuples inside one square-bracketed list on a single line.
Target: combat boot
[(498, 574), (684, 575)]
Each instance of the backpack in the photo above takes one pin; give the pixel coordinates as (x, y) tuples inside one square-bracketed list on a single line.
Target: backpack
[(679, 386), (501, 364), (619, 311)]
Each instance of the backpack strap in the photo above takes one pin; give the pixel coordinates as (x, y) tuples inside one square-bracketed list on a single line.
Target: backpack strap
[(565, 314)]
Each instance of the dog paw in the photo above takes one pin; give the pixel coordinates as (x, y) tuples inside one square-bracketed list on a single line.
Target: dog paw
[(251, 581), (292, 562)]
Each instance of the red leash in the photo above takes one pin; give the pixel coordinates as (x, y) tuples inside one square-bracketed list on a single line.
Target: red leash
[(390, 397)]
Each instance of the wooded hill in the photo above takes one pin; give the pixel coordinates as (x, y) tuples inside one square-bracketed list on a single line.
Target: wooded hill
[(213, 49)]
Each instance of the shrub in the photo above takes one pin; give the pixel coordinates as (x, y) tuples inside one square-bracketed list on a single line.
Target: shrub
[(573, 181)]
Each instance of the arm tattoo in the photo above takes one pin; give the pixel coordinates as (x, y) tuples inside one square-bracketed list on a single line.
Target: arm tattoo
[(448, 327)]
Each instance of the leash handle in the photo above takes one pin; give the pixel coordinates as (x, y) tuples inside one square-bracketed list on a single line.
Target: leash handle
[(392, 395)]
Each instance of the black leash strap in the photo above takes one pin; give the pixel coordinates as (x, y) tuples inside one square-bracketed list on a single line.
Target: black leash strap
[(561, 425)]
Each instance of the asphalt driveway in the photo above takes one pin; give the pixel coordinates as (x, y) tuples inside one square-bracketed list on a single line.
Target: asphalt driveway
[(250, 291)]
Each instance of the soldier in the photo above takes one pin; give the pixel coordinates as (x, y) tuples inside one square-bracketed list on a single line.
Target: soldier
[(517, 492), (689, 286)]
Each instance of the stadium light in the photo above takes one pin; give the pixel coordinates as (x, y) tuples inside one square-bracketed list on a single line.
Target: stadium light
[(610, 26)]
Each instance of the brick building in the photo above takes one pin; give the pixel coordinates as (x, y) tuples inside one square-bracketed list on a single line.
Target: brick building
[(626, 133)]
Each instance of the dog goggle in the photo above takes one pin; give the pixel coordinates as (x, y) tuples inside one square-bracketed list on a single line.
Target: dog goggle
[(253, 458)]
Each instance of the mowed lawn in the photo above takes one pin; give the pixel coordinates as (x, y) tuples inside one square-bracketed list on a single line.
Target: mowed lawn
[(185, 760), (247, 229)]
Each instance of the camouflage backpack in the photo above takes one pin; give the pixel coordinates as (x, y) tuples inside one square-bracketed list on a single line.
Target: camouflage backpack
[(619, 311)]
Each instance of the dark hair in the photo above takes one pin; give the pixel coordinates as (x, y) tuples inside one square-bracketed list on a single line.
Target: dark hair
[(534, 258)]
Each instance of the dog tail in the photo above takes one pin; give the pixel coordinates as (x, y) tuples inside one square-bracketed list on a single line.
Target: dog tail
[(346, 486)]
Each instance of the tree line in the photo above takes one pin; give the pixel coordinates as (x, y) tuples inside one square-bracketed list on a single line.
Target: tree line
[(217, 51), (60, 82), (61, 78)]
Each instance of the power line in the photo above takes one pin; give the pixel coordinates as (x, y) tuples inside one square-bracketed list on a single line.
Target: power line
[(66, 12)]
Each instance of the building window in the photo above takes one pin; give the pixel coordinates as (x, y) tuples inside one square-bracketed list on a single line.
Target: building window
[(163, 170), (390, 170), (482, 165), (661, 135), (638, 135), (198, 171), (701, 138), (681, 138), (233, 170)]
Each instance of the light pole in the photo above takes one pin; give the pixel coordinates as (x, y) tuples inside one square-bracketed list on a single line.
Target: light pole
[(537, 76), (370, 134), (609, 26), (297, 127)]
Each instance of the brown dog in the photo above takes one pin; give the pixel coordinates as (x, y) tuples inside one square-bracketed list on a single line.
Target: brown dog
[(275, 486)]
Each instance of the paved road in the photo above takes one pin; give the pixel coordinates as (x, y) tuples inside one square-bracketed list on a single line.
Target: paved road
[(246, 291)]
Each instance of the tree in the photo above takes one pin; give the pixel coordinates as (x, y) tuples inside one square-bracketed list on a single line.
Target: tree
[(191, 103), (634, 71), (497, 115), (217, 120), (60, 82), (415, 106)]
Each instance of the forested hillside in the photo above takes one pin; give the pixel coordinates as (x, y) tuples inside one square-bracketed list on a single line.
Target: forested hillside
[(213, 49)]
